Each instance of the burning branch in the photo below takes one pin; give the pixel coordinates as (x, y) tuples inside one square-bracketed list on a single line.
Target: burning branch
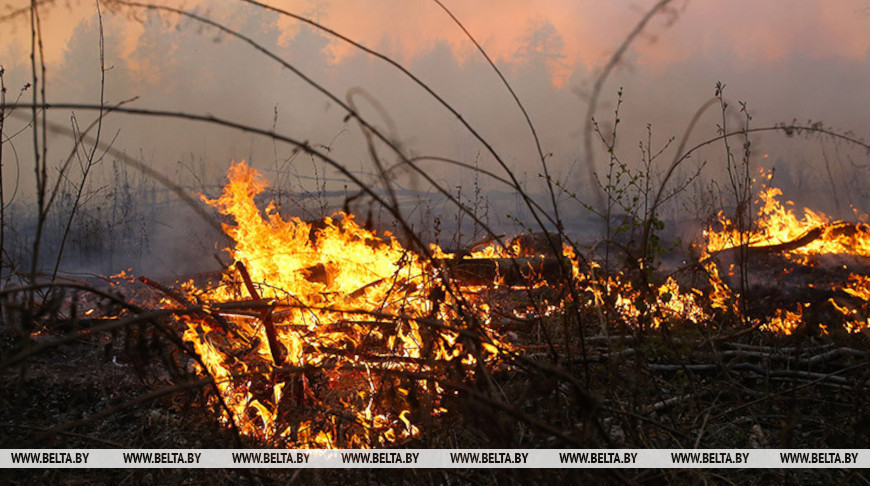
[(166, 290), (842, 232), (198, 314), (265, 316), (520, 271)]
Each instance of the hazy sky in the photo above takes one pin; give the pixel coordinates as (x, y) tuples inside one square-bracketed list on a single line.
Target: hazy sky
[(756, 32)]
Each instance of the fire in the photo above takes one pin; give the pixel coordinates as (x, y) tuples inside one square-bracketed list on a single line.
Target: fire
[(776, 228), (665, 303), (857, 286), (326, 334), (361, 324), (801, 239), (784, 321), (777, 224)]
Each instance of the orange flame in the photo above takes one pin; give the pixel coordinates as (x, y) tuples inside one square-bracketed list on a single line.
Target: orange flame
[(800, 239), (777, 224), (365, 326), (352, 310)]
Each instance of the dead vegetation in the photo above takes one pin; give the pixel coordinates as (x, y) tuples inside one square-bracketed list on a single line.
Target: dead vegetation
[(103, 366), (533, 342)]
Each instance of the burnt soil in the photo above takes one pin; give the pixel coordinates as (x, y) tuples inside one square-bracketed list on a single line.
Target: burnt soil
[(681, 386)]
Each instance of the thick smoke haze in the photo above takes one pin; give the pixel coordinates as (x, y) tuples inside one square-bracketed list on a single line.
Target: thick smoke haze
[(805, 60)]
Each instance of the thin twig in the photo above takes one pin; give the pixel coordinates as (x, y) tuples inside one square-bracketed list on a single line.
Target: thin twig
[(90, 156), (599, 84)]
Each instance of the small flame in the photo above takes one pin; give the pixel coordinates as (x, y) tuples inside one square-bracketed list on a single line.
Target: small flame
[(799, 239)]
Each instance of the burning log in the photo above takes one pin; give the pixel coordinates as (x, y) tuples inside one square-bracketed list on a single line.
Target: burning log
[(521, 271), (265, 316), (165, 290), (845, 233), (172, 294), (467, 272)]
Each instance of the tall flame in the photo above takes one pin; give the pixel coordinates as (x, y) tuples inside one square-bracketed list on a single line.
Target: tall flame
[(359, 320)]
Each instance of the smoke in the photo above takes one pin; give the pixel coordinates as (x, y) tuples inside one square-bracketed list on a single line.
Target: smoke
[(786, 61)]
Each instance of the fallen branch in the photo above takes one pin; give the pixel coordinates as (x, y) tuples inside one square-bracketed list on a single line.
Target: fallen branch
[(265, 317), (603, 358), (769, 373), (521, 271), (172, 294), (673, 401), (833, 230), (200, 314), (834, 354)]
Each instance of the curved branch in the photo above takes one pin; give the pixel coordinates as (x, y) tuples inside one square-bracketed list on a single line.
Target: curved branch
[(599, 83), (520, 106)]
